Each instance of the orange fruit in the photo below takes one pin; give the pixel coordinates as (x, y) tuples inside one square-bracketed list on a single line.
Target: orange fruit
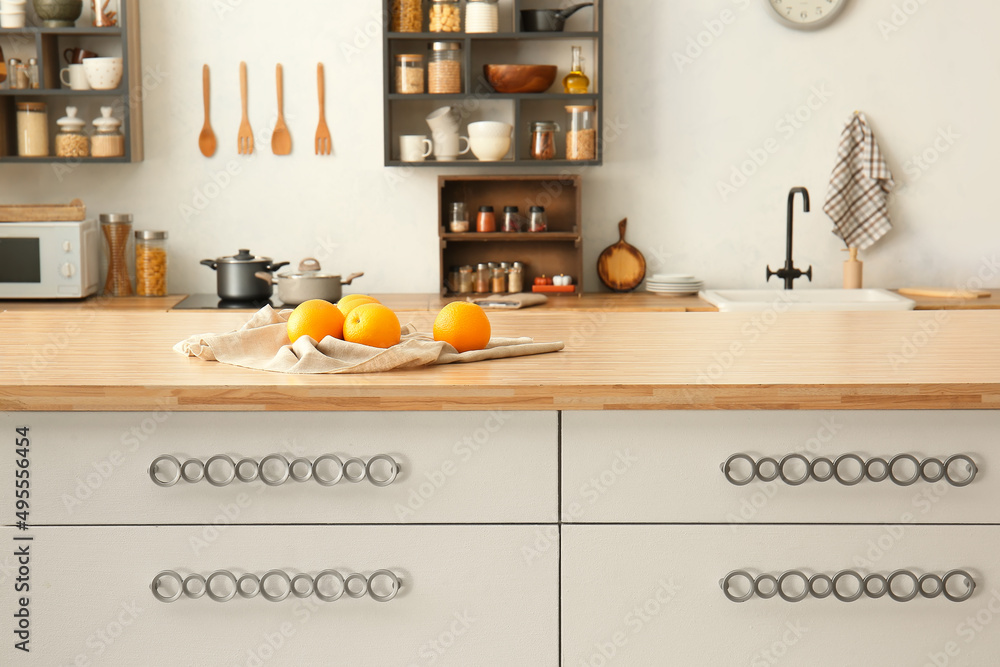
[(351, 300), (317, 319), (372, 324), (462, 325)]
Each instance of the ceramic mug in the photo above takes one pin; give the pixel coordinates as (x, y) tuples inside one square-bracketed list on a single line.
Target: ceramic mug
[(103, 73), (444, 119), (489, 140), (11, 19), (77, 77), (446, 146), (414, 147), (77, 55)]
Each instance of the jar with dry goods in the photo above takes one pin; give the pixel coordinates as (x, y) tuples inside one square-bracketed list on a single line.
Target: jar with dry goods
[(407, 15), (444, 72), (515, 278), (71, 140), (32, 129), (466, 279), (109, 140), (482, 279), (459, 223), (117, 230), (543, 139), (538, 222), (487, 220), (482, 16), (151, 263), (581, 138), (410, 73), (511, 220), (445, 16), (498, 280)]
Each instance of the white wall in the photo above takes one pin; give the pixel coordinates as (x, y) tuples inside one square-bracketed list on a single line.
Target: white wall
[(686, 128)]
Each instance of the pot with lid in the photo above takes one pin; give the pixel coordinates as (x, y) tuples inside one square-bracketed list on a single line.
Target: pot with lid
[(236, 276), (309, 282)]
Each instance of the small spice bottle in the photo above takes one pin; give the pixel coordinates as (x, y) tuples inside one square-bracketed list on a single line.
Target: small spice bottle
[(498, 279), (466, 280), (109, 140), (71, 140), (511, 219), (487, 221), (151, 263), (482, 279), (538, 221), (33, 80), (515, 278), (543, 140), (459, 223)]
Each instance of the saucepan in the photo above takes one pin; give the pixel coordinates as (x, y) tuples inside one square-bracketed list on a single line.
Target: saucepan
[(239, 278), (309, 282), (548, 20)]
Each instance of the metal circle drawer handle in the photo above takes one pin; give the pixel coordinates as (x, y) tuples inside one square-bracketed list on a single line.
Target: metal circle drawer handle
[(354, 592), (166, 458), (328, 481), (194, 594), (243, 590), (904, 597), (303, 475), (969, 582), (729, 594), (883, 586), (318, 587), (230, 470), (388, 479), (759, 469), (792, 481), (881, 474), (758, 589), (934, 592), (801, 595), (820, 593), (229, 594), (727, 469), (247, 470), (929, 463), (275, 597), (814, 469), (154, 586), (393, 585), (901, 481), (971, 467), (285, 470), (836, 586), (845, 480), (297, 590), (354, 477), (193, 471)]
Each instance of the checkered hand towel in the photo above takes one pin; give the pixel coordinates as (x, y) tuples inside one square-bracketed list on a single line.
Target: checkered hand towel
[(858, 198)]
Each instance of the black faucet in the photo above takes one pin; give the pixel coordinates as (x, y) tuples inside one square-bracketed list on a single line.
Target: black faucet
[(789, 272)]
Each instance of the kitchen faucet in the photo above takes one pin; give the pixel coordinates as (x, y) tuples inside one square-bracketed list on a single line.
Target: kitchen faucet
[(789, 272)]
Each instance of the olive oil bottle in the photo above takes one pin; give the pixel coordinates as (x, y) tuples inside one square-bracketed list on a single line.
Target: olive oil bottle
[(576, 82)]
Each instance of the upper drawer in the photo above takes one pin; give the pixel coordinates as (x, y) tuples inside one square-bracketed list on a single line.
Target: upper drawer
[(667, 466), (454, 467)]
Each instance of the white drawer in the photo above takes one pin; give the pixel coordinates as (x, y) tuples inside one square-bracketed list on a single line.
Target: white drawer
[(650, 595), (455, 467), (665, 467), (468, 597)]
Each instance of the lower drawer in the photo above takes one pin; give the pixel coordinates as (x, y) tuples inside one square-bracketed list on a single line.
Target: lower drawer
[(468, 596), (651, 595)]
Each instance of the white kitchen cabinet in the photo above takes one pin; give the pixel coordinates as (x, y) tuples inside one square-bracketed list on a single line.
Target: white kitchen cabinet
[(469, 596), (650, 595), (455, 467), (665, 466)]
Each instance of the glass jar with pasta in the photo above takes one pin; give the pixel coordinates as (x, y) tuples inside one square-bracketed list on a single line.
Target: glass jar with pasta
[(407, 15), (150, 263)]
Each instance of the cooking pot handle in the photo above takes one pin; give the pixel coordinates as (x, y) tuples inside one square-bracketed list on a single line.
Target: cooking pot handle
[(569, 11), (266, 277), (274, 266), (351, 277), (210, 263)]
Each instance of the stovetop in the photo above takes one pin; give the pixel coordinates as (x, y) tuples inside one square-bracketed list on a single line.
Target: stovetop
[(213, 302)]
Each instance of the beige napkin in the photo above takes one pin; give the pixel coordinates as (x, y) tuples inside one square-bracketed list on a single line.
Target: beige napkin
[(512, 301), (262, 344)]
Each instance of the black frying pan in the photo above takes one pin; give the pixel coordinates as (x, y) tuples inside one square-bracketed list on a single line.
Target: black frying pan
[(548, 20)]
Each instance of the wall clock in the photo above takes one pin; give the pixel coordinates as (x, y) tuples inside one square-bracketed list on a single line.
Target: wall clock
[(806, 14)]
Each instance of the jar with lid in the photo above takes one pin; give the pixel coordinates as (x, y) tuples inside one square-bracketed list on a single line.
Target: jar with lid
[(498, 280), (32, 129), (407, 15), (444, 72), (109, 140), (151, 263), (543, 139), (466, 279), (581, 139), (482, 279), (459, 223), (515, 278), (487, 220), (481, 16), (410, 73), (33, 80), (117, 230), (538, 222), (445, 16), (511, 220), (17, 72), (71, 140)]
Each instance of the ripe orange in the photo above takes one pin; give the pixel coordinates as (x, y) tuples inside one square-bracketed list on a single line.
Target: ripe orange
[(372, 324), (351, 300), (317, 319), (462, 325)]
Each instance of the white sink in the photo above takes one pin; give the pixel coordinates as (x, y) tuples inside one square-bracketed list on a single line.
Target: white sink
[(805, 300)]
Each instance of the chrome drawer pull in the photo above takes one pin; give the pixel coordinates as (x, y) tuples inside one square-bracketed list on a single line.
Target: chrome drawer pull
[(958, 470), (275, 470), (277, 585), (900, 585)]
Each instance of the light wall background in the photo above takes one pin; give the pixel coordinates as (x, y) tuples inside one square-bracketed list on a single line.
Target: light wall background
[(685, 128)]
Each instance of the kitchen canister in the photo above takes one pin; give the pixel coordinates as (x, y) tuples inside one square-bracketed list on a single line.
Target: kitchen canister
[(481, 16), (109, 140), (117, 230), (32, 129), (150, 263), (71, 140)]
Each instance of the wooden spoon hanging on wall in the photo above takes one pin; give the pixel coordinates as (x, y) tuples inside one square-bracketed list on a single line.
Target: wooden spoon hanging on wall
[(281, 139), (621, 267), (206, 140)]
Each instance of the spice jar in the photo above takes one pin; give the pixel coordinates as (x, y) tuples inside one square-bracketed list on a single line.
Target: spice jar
[(487, 221), (538, 222), (481, 16), (151, 263), (32, 70), (444, 72), (410, 73), (407, 15), (71, 141), (511, 219), (466, 279), (482, 279), (117, 230), (515, 278), (17, 72), (109, 140), (445, 16), (32, 129), (498, 279), (581, 139), (543, 139), (459, 223)]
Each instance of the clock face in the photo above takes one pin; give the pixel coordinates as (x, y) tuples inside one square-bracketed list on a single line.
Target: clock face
[(806, 14)]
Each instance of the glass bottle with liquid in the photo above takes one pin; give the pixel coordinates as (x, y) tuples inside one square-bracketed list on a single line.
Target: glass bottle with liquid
[(576, 82)]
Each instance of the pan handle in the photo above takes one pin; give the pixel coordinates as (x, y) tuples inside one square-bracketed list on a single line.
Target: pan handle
[(350, 278), (210, 263), (569, 11), (266, 277)]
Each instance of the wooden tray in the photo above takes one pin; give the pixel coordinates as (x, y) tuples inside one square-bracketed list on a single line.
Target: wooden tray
[(73, 211)]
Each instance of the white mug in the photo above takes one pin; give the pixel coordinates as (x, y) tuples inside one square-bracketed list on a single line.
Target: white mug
[(77, 77), (446, 146), (444, 120), (414, 147), (103, 73)]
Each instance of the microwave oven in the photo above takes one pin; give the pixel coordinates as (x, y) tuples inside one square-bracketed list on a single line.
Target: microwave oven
[(49, 260)]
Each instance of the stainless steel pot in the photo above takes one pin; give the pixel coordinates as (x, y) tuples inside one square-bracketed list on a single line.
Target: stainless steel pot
[(548, 20), (309, 282), (236, 276)]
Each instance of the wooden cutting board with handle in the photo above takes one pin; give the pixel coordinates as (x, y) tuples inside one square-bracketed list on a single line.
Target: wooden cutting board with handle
[(621, 267), (944, 293)]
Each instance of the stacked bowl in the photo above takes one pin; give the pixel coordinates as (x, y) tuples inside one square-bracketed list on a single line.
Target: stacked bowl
[(12, 13), (673, 284)]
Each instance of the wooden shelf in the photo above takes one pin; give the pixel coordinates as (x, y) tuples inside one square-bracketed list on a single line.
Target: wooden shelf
[(478, 95), (524, 237)]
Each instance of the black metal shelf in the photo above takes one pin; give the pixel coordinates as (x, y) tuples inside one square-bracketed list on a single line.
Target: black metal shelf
[(540, 97), (50, 159), (496, 163), (87, 32), (62, 92), (489, 36)]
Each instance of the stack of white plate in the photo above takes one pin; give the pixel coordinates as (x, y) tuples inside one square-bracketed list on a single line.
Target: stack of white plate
[(673, 284)]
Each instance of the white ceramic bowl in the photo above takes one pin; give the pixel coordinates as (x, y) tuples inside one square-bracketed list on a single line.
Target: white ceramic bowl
[(489, 129), (12, 19), (103, 73), (489, 149)]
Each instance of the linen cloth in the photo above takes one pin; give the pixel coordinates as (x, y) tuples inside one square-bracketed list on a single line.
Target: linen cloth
[(512, 301), (262, 344), (858, 197)]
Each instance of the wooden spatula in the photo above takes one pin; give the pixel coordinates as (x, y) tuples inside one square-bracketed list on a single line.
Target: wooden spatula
[(281, 140), (245, 138), (206, 140), (621, 267)]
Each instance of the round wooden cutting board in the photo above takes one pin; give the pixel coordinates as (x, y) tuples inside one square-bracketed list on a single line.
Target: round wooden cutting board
[(621, 267)]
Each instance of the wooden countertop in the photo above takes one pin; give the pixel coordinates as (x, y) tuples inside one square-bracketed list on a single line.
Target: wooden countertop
[(123, 360)]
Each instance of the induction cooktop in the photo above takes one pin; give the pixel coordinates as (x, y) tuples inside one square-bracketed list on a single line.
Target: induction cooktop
[(213, 302)]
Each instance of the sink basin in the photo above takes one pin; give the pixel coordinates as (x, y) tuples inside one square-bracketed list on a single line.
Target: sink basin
[(805, 300)]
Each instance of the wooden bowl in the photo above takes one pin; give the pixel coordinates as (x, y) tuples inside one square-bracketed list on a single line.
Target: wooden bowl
[(520, 78)]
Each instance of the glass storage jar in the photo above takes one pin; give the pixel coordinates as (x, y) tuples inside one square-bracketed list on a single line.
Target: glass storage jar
[(444, 72), (71, 140), (466, 279), (515, 278), (32, 129), (581, 139), (481, 16), (543, 139), (109, 140), (538, 222), (407, 15), (511, 220), (459, 223), (151, 263), (117, 230), (445, 16), (410, 73), (482, 279)]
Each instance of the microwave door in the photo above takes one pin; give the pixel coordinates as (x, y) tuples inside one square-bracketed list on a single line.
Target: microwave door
[(20, 260)]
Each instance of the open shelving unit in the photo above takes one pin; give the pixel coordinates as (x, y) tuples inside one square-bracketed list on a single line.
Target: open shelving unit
[(405, 113)]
